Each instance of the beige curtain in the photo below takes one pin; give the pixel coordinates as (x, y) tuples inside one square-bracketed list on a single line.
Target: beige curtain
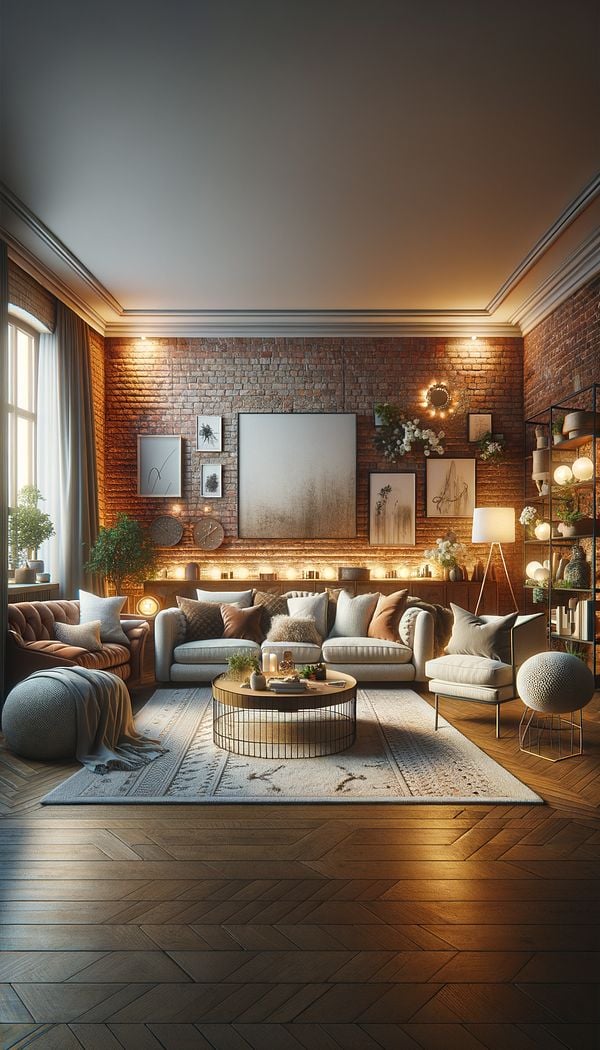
[(66, 454)]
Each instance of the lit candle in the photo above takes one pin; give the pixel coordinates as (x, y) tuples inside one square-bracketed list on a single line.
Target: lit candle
[(273, 663), (266, 661)]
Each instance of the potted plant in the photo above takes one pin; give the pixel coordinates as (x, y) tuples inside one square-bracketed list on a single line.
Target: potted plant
[(241, 665), (569, 516), (557, 428), (123, 553), (447, 553), (28, 528)]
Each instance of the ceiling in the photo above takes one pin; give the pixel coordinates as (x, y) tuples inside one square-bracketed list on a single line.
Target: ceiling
[(224, 166)]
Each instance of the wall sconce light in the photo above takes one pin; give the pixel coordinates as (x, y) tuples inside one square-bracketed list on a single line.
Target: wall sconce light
[(438, 399), (148, 605)]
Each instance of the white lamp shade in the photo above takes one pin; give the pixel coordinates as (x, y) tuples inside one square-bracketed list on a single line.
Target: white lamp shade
[(493, 525)]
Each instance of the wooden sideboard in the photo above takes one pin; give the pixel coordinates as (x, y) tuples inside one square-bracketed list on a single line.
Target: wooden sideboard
[(32, 592), (437, 592)]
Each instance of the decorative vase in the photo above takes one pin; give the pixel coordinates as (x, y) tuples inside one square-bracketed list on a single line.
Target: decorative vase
[(445, 572), (579, 571), (258, 680), (35, 564), (24, 574), (455, 574), (192, 571)]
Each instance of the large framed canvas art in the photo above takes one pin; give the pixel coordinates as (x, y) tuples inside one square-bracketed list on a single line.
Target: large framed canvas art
[(296, 475), (392, 509)]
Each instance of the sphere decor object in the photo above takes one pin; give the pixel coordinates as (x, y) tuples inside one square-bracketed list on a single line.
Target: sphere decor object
[(555, 683), (38, 720)]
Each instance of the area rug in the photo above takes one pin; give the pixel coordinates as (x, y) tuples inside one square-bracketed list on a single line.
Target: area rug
[(397, 758)]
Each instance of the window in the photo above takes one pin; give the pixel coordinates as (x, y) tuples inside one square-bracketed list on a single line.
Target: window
[(22, 395)]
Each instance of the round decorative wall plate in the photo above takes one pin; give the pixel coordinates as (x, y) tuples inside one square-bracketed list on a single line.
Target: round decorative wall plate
[(208, 533), (166, 531)]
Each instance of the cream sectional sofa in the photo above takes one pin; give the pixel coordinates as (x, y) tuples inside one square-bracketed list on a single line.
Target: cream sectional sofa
[(365, 658)]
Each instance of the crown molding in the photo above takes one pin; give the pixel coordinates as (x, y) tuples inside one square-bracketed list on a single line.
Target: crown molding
[(552, 234), (578, 268)]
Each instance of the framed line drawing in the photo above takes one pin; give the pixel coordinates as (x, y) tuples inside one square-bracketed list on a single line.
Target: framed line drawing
[(480, 423), (159, 465), (392, 509), (296, 475), (209, 433), (212, 481), (450, 488)]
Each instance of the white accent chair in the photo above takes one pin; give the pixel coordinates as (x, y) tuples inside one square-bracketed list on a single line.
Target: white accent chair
[(481, 680)]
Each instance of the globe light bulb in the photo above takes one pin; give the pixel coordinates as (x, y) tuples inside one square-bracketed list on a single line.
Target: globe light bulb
[(583, 469), (531, 569), (541, 575), (542, 531), (563, 475)]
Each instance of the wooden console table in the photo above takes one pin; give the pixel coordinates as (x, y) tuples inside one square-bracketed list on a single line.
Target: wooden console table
[(438, 592)]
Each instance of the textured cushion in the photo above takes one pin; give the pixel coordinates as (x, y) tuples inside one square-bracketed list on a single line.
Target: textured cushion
[(202, 619), (241, 598), (242, 623), (83, 635), (212, 650), (294, 629), (385, 619), (470, 670), (353, 615), (271, 605), (302, 652), (107, 610), (314, 605), (476, 636), (365, 651), (406, 627)]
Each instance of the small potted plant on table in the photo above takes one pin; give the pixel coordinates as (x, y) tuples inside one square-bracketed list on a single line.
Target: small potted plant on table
[(28, 528)]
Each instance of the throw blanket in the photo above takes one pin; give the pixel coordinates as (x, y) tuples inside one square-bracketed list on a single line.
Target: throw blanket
[(106, 735), (442, 621)]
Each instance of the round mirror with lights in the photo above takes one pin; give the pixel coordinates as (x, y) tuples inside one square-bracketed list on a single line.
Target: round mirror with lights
[(438, 398)]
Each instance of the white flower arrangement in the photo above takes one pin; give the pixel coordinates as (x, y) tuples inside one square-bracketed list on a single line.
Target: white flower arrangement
[(529, 517), (397, 435), (448, 551), (492, 448)]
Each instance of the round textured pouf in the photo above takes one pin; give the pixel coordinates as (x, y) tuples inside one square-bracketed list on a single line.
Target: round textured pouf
[(38, 719), (554, 683)]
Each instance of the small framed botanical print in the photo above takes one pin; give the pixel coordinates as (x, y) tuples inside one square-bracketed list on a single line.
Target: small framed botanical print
[(480, 423), (209, 433), (392, 509), (212, 484)]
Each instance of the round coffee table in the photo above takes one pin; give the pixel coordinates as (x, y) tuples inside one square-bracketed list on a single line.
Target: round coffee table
[(262, 724)]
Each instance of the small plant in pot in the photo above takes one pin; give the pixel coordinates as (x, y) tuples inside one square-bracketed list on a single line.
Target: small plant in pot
[(557, 428), (28, 528), (122, 554), (569, 517), (242, 665)]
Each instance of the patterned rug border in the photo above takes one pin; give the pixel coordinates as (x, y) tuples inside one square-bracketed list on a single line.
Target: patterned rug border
[(192, 727)]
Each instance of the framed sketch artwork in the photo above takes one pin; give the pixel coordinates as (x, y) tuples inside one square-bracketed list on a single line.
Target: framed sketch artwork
[(296, 475), (392, 509), (450, 488), (209, 433), (212, 481), (480, 423), (159, 465)]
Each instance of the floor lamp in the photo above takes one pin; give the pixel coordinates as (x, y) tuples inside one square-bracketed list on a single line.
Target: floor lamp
[(494, 525)]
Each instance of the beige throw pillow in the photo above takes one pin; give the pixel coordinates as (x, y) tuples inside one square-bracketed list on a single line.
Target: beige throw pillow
[(81, 635), (108, 611), (314, 605), (241, 598), (353, 615), (293, 629), (474, 636)]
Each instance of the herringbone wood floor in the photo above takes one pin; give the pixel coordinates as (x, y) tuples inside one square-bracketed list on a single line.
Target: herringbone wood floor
[(290, 927)]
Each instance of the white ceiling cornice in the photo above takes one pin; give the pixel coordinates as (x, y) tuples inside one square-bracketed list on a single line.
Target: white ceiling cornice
[(43, 255)]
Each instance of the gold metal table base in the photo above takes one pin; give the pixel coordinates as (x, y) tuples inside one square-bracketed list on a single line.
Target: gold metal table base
[(553, 737)]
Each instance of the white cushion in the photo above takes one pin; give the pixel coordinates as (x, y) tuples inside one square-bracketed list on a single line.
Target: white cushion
[(314, 605), (406, 627), (107, 610), (302, 652), (212, 650), (365, 650), (470, 670), (353, 615), (241, 598)]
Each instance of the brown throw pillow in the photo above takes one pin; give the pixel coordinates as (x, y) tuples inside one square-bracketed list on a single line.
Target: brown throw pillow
[(385, 619), (202, 619), (271, 605), (473, 636), (242, 623)]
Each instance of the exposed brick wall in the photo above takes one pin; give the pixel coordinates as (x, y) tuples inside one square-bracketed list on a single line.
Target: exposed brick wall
[(98, 401), (25, 292), (563, 353), (161, 386)]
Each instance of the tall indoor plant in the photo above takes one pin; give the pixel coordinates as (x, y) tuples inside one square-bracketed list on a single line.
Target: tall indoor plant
[(28, 528), (122, 554)]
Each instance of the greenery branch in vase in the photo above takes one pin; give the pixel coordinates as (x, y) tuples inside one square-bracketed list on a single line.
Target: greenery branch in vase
[(28, 528), (397, 435), (447, 553), (123, 553)]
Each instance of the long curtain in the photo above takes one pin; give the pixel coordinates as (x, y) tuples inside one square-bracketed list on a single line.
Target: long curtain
[(66, 455), (3, 457)]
